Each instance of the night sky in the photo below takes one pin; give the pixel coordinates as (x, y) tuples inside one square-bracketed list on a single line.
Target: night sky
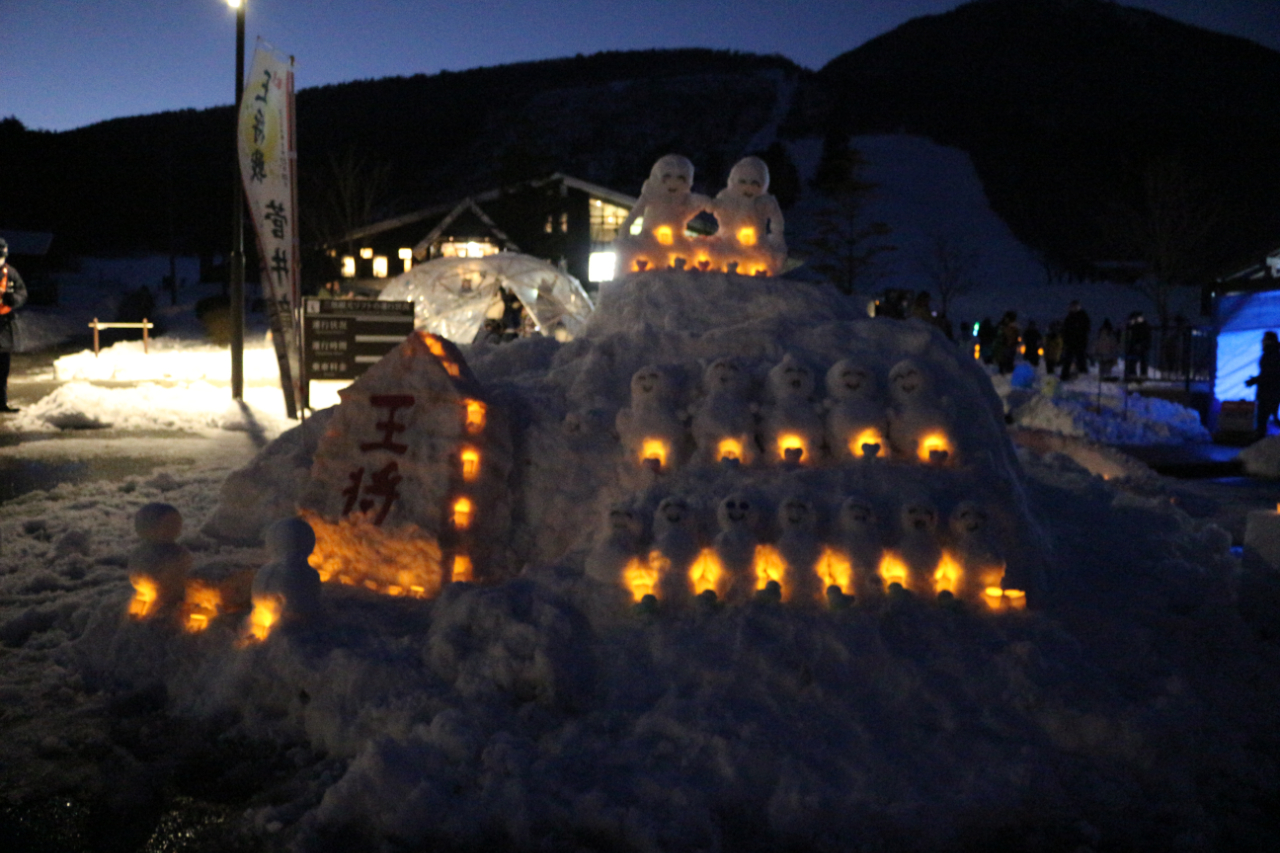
[(69, 63)]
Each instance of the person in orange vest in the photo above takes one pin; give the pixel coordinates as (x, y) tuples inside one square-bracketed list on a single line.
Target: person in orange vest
[(13, 295)]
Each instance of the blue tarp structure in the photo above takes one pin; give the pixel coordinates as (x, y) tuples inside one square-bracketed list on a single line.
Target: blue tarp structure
[(1242, 318)]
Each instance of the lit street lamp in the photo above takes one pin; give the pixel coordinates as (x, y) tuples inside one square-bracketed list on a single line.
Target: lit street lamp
[(235, 266)]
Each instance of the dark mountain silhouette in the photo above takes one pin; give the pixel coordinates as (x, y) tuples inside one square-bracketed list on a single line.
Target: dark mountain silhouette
[(1066, 107)]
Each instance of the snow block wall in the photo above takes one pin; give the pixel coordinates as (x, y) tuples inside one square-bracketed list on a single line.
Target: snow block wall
[(822, 408)]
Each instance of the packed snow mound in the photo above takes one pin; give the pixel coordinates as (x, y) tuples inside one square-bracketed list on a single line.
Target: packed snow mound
[(687, 361), (1262, 458), (1106, 415)]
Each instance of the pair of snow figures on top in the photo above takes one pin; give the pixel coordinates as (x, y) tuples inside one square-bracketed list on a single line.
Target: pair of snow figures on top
[(748, 240), (855, 421)]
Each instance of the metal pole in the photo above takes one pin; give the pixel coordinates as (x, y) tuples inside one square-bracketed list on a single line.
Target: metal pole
[(236, 265)]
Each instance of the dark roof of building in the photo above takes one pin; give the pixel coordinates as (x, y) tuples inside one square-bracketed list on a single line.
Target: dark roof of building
[(27, 242)]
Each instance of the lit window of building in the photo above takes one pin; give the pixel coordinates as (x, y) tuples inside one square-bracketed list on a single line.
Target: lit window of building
[(366, 253), (601, 265), (605, 220), (406, 255), (348, 266), (467, 249), (380, 266)]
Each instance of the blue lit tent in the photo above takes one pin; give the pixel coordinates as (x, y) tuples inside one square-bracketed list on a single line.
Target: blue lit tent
[(1242, 318)]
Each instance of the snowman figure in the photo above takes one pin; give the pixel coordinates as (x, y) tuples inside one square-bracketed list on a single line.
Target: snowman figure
[(749, 238), (918, 543), (735, 545), (666, 205), (920, 426), (800, 549), (289, 579), (974, 547), (674, 548), (860, 541), (652, 433), (619, 546), (158, 565), (791, 428), (856, 421), (724, 422)]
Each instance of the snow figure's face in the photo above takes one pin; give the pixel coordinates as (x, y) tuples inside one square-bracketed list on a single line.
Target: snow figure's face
[(625, 520), (796, 513), (968, 519), (672, 174), (856, 514), (749, 177), (919, 517), (158, 522), (790, 378), (736, 511), (290, 537), (907, 380), (848, 381), (724, 374), (648, 383), (673, 512)]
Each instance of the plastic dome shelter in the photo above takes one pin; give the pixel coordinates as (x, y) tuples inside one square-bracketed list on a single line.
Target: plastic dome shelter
[(452, 296)]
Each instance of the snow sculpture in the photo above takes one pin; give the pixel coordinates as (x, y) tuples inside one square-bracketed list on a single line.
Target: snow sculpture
[(856, 422), (920, 425), (859, 540), (618, 557), (800, 548), (918, 551), (287, 588), (674, 549), (665, 206), (791, 430), (749, 238), (650, 430), (158, 565), (978, 554), (735, 546), (724, 423), (413, 462)]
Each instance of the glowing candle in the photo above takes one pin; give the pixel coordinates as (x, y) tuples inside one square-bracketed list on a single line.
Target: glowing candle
[(654, 452), (462, 512), (835, 569), (470, 464), (934, 448), (729, 448), (705, 572), (663, 235), (747, 236), (475, 416), (867, 443), (791, 448), (948, 575), (893, 570)]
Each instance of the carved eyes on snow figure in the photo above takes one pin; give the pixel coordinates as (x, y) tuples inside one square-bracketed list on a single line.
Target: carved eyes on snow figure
[(624, 520), (919, 517), (906, 378), (673, 510), (646, 380), (968, 518), (856, 512), (796, 511), (735, 510), (723, 373)]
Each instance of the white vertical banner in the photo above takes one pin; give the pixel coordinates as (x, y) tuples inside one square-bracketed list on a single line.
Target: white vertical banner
[(268, 169)]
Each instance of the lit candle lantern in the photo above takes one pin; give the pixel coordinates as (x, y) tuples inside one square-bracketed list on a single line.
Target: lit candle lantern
[(934, 448), (475, 416), (747, 236), (1262, 535), (893, 570), (948, 575), (144, 596), (770, 566), (653, 452), (791, 448), (729, 448), (640, 578), (462, 570), (462, 512), (705, 572), (664, 235), (835, 569), (470, 464), (867, 443)]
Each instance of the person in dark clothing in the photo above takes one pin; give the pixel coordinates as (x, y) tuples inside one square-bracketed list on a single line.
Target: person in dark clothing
[(1031, 340), (1137, 345), (1075, 340), (13, 295), (1008, 335), (986, 338), (1268, 383)]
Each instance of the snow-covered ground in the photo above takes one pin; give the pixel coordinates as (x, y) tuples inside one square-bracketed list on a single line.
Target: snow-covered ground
[(1135, 707)]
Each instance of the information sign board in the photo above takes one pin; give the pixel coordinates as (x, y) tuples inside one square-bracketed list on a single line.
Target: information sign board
[(342, 337)]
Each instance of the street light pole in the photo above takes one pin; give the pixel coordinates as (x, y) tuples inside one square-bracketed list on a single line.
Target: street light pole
[(235, 270)]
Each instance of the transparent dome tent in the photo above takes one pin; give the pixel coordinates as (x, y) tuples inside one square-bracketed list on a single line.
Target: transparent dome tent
[(452, 297)]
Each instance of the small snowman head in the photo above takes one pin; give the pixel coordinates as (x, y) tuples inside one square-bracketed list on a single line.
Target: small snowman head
[(672, 512), (919, 516), (672, 174), (724, 374), (967, 519), (158, 522), (290, 538), (625, 522), (749, 177), (857, 515), (649, 386), (791, 380), (907, 381), (738, 512), (847, 380), (797, 514)]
